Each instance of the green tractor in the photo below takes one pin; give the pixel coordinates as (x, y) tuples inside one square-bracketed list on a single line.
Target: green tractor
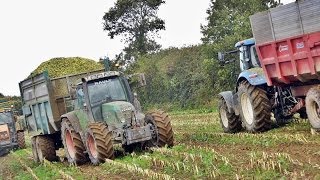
[(89, 117), (11, 132)]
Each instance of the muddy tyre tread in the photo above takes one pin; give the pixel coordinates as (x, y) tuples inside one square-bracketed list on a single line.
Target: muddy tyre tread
[(164, 128), (261, 107), (234, 122), (80, 156), (21, 140), (34, 149), (103, 140), (47, 147), (313, 99)]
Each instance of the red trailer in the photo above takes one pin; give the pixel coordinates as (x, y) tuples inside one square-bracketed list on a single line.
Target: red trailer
[(291, 60)]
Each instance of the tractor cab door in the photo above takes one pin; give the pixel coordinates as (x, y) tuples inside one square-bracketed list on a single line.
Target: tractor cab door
[(248, 57), (81, 107)]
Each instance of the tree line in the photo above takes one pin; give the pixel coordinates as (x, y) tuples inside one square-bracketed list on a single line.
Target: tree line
[(188, 77)]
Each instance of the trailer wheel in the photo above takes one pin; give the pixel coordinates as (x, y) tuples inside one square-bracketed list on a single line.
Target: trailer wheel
[(34, 149), (73, 145), (161, 127), (21, 140), (313, 107), (255, 108), (45, 148), (99, 143), (230, 122)]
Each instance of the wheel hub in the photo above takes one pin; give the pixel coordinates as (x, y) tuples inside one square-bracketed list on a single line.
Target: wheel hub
[(70, 145), (316, 109), (223, 116), (247, 109), (92, 146), (154, 134)]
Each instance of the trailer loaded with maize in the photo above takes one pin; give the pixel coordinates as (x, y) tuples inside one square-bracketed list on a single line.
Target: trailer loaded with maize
[(87, 114), (280, 70)]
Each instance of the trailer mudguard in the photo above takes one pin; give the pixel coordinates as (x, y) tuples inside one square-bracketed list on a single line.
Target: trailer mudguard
[(231, 100), (255, 76)]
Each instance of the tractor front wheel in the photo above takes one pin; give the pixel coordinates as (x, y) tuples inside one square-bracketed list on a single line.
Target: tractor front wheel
[(230, 122), (161, 129), (99, 143), (255, 108)]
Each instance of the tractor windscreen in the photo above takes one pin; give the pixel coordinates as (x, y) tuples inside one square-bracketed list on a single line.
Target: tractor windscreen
[(5, 117), (106, 90)]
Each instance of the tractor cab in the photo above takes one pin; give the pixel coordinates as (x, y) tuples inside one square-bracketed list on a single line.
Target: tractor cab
[(108, 98), (6, 127), (8, 138), (247, 54)]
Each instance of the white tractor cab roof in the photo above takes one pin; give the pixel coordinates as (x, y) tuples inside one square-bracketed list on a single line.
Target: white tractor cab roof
[(101, 75)]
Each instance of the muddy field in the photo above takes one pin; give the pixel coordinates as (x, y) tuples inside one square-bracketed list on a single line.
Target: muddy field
[(202, 151)]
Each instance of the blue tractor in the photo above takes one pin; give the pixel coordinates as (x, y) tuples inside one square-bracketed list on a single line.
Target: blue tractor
[(252, 103)]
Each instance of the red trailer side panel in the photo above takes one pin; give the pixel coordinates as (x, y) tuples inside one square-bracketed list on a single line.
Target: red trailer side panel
[(292, 59)]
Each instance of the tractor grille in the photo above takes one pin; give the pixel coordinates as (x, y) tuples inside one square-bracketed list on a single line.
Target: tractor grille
[(4, 133)]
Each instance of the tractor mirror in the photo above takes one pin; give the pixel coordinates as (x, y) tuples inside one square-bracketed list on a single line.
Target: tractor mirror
[(220, 56), (142, 80), (137, 80)]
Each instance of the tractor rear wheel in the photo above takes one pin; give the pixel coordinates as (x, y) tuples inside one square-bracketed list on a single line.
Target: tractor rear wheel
[(255, 108), (230, 122), (21, 140), (45, 148), (73, 145), (313, 107), (161, 129), (99, 143)]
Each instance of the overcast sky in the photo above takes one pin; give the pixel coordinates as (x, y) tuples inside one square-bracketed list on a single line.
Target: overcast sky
[(34, 31)]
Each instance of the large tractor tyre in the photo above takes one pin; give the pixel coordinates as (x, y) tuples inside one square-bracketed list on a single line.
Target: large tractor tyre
[(313, 107), (161, 129), (21, 140), (255, 108), (99, 143), (45, 148), (34, 149), (230, 122), (72, 143)]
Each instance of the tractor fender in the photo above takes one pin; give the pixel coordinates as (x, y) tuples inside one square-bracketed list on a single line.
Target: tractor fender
[(254, 76), (74, 120), (231, 100)]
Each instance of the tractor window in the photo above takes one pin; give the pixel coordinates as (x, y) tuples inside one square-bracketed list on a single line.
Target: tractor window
[(80, 97), (254, 57), (242, 58), (106, 90), (5, 117)]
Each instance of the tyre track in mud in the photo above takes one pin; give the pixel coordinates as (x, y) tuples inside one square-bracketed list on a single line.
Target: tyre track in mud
[(88, 170), (47, 163), (30, 171)]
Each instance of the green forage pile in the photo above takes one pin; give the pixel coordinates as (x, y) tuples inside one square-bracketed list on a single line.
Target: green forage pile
[(62, 66)]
